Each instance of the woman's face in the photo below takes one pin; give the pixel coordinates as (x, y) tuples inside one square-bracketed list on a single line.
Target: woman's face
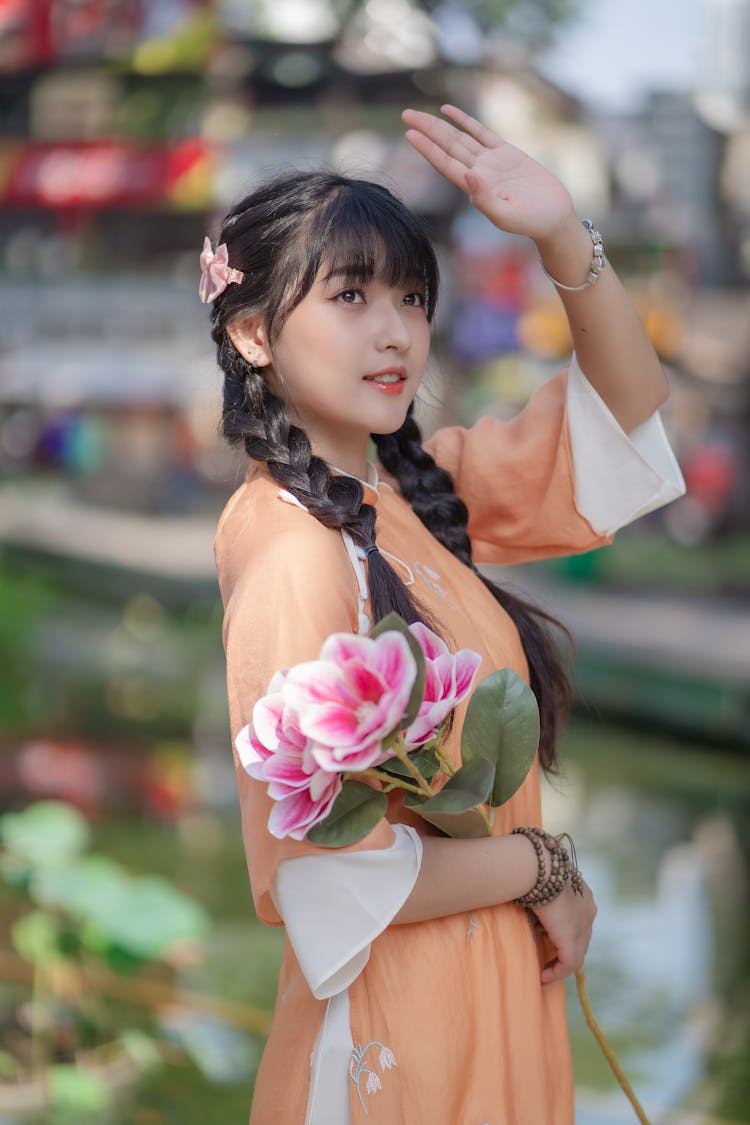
[(348, 362)]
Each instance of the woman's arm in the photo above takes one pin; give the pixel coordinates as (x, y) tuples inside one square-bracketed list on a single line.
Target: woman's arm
[(462, 875), (520, 196), (613, 349)]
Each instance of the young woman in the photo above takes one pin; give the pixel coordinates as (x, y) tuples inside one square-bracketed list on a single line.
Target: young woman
[(413, 987)]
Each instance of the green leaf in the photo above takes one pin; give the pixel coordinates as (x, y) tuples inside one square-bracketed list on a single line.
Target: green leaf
[(79, 1090), (91, 885), (36, 937), (151, 918), (46, 834), (469, 786), (467, 825), (355, 812), (426, 763), (120, 960), (393, 623), (502, 726), (144, 916)]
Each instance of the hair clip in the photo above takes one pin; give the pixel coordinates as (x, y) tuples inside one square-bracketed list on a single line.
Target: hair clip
[(216, 272)]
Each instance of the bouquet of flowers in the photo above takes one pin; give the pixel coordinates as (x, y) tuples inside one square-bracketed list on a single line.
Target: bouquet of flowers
[(334, 736)]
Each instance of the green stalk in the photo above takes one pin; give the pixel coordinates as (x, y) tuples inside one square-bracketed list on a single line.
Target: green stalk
[(488, 818), (601, 1039), (445, 765), (606, 1049), (424, 787), (391, 782)]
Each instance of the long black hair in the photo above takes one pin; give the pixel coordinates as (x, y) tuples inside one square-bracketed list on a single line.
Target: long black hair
[(279, 236)]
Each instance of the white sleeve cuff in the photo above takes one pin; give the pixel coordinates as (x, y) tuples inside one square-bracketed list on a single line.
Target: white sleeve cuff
[(618, 477), (335, 905)]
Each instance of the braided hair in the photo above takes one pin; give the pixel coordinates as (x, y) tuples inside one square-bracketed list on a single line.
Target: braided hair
[(279, 236), (430, 492)]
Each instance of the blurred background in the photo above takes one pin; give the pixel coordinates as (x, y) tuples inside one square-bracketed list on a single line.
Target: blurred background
[(135, 983)]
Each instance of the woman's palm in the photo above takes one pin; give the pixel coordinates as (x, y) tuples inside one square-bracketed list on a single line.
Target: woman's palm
[(515, 192)]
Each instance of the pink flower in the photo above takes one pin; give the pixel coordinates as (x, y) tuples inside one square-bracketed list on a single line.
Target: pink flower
[(352, 697), (448, 680), (273, 749)]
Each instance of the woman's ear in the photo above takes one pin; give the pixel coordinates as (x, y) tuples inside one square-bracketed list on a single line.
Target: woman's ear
[(248, 334)]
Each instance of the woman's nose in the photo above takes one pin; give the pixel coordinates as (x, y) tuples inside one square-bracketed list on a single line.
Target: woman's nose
[(392, 327)]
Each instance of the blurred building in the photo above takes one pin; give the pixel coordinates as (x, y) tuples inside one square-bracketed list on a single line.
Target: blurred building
[(127, 127)]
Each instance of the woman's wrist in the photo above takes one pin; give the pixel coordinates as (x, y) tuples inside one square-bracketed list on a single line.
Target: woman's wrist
[(566, 252), (523, 857), (531, 869), (555, 868)]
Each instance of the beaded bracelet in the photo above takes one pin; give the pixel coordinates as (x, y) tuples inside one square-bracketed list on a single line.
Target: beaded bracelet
[(598, 262), (562, 867)]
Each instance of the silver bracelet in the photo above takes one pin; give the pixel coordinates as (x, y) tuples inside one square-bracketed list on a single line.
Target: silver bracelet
[(598, 262)]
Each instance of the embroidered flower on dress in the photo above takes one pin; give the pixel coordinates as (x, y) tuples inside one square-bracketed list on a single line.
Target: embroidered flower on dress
[(358, 1069), (386, 1058), (373, 1083)]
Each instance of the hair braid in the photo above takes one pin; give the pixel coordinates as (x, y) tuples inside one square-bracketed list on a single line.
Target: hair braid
[(257, 418), (431, 494)]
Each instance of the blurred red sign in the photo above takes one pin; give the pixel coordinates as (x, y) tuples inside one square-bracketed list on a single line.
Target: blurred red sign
[(107, 174)]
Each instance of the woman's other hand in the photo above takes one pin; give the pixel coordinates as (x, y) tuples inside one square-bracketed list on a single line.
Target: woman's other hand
[(567, 921)]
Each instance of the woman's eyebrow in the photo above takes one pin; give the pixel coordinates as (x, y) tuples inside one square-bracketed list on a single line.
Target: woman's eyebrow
[(346, 273), (352, 274)]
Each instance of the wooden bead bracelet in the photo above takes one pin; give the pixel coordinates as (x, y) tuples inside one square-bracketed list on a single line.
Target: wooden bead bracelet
[(562, 868)]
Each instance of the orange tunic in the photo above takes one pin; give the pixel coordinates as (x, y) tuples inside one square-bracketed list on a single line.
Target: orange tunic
[(456, 1000)]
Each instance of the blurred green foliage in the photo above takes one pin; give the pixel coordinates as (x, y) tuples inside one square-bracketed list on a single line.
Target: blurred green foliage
[(110, 662), (650, 561), (73, 914)]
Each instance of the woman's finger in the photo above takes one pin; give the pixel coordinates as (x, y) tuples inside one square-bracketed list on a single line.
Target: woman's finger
[(556, 970), (481, 134), (456, 143), (453, 170)]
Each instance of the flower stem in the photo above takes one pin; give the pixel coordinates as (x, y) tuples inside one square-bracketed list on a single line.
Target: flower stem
[(402, 756), (486, 817), (589, 1016), (391, 782), (606, 1049), (445, 765)]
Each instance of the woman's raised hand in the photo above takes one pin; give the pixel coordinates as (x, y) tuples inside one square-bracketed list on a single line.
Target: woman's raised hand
[(516, 193)]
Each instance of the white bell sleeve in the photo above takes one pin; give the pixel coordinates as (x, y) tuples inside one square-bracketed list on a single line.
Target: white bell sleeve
[(334, 906), (618, 476)]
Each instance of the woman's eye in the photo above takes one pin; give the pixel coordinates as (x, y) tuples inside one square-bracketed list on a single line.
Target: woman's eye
[(350, 296), (415, 300)]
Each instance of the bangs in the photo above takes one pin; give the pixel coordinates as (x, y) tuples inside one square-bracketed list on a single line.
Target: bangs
[(364, 233)]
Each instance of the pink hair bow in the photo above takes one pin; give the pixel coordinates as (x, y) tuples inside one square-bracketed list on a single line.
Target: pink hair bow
[(216, 272)]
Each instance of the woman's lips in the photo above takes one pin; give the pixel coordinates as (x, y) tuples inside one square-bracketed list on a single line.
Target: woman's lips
[(389, 382)]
